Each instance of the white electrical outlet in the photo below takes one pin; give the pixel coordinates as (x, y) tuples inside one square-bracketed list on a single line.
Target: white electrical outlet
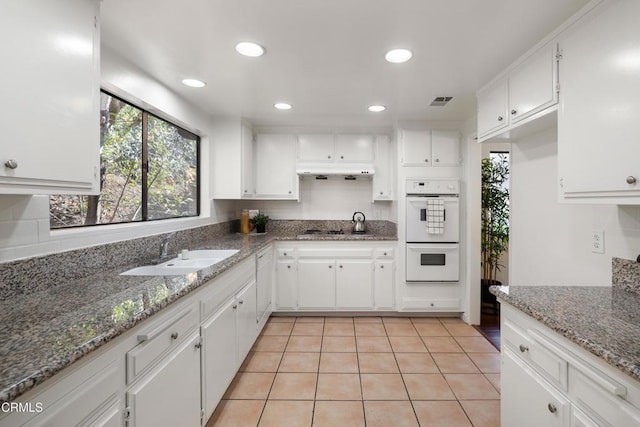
[(597, 242)]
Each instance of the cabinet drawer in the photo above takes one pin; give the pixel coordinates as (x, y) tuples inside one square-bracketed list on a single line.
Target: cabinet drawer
[(601, 397), (547, 363), (385, 253), (158, 339), (287, 253), (335, 253)]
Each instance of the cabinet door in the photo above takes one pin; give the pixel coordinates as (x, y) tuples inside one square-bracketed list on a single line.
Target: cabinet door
[(219, 355), (247, 324), (598, 126), (248, 182), (492, 109), (383, 178), (383, 290), (580, 419), (445, 147), (354, 280), (354, 148), (170, 394), (264, 281), (316, 284), (532, 85), (111, 417), (286, 285), (275, 167), (526, 399), (316, 148), (51, 90), (416, 148)]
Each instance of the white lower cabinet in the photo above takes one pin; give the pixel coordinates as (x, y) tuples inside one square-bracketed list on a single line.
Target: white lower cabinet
[(316, 284), (354, 284), (546, 380), (264, 284), (384, 297), (246, 320), (286, 285), (170, 394)]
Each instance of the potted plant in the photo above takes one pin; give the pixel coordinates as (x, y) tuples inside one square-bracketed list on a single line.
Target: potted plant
[(495, 220), (260, 222)]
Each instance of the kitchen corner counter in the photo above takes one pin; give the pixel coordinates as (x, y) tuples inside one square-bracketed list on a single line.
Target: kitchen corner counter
[(49, 327), (603, 320)]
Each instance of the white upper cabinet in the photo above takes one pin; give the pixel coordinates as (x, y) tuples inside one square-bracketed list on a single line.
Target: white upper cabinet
[(316, 148), (354, 148), (383, 178), (430, 148), (528, 90), (51, 91), (346, 148), (232, 160), (598, 126), (275, 159), (247, 180)]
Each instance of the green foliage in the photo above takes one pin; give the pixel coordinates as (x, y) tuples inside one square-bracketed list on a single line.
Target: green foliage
[(495, 214), (260, 219)]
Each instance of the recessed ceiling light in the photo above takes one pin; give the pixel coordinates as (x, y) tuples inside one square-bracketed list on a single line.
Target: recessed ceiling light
[(193, 83), (249, 49), (397, 56), (377, 108), (282, 106)]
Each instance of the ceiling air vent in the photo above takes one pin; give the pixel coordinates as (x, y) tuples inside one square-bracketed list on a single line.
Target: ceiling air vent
[(440, 101)]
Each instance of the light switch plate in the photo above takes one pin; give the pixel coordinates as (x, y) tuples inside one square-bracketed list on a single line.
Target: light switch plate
[(597, 242)]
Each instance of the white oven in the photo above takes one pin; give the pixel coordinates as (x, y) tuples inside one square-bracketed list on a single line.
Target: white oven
[(432, 230)]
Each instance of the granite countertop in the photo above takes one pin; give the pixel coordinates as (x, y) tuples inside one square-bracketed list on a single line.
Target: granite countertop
[(603, 320), (46, 330)]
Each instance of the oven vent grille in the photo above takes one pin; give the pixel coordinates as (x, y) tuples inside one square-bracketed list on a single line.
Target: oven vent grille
[(441, 101)]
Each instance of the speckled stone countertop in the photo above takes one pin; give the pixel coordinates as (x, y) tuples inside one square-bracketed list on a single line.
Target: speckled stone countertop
[(47, 328), (603, 320)]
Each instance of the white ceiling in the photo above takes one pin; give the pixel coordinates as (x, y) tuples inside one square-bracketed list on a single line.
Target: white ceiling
[(326, 57)]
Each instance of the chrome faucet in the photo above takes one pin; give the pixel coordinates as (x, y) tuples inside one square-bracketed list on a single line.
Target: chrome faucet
[(164, 246)]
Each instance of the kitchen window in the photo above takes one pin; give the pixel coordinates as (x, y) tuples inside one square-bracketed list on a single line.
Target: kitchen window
[(149, 170)]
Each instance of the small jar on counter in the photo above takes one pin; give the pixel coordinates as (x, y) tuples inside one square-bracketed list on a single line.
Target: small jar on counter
[(245, 224)]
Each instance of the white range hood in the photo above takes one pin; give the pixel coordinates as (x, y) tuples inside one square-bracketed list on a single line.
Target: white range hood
[(333, 169)]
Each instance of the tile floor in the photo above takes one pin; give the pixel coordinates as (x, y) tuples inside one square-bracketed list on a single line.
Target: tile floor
[(373, 371)]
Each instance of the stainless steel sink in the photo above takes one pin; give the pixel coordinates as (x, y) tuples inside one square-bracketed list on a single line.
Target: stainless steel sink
[(197, 261)]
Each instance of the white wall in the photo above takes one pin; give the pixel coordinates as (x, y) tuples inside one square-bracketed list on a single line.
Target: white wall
[(551, 242), (24, 220)]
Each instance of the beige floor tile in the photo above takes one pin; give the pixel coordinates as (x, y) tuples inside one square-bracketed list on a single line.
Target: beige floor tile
[(388, 320), (279, 413), (416, 363), (455, 363), (441, 413), (494, 379), (471, 387), (386, 414), (309, 344), (400, 330), (277, 328), (307, 329), (476, 345), (442, 345), (377, 363), (250, 385), (367, 319), (449, 320), (373, 344), (383, 387), (427, 387), (270, 343), (337, 319), (462, 330), (339, 344), (261, 361), (345, 363), (339, 362), (293, 386), (370, 330), (282, 319), (338, 329), (339, 387), (421, 320), (294, 361), (483, 413), (338, 414), (407, 345), (489, 363), (309, 319), (431, 330), (236, 413)]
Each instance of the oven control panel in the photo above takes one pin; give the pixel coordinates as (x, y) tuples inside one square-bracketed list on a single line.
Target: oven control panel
[(432, 186)]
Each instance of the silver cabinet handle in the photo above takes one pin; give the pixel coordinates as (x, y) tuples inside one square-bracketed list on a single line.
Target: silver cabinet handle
[(290, 191), (328, 157), (382, 266), (385, 254), (11, 164), (234, 306), (513, 112), (198, 345), (241, 301), (285, 254), (381, 192), (426, 160), (500, 118), (340, 266), (330, 266), (523, 348), (288, 266), (631, 179), (342, 157), (174, 336), (552, 408), (437, 160)]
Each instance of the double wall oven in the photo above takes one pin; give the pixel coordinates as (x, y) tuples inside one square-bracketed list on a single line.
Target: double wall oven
[(433, 230)]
